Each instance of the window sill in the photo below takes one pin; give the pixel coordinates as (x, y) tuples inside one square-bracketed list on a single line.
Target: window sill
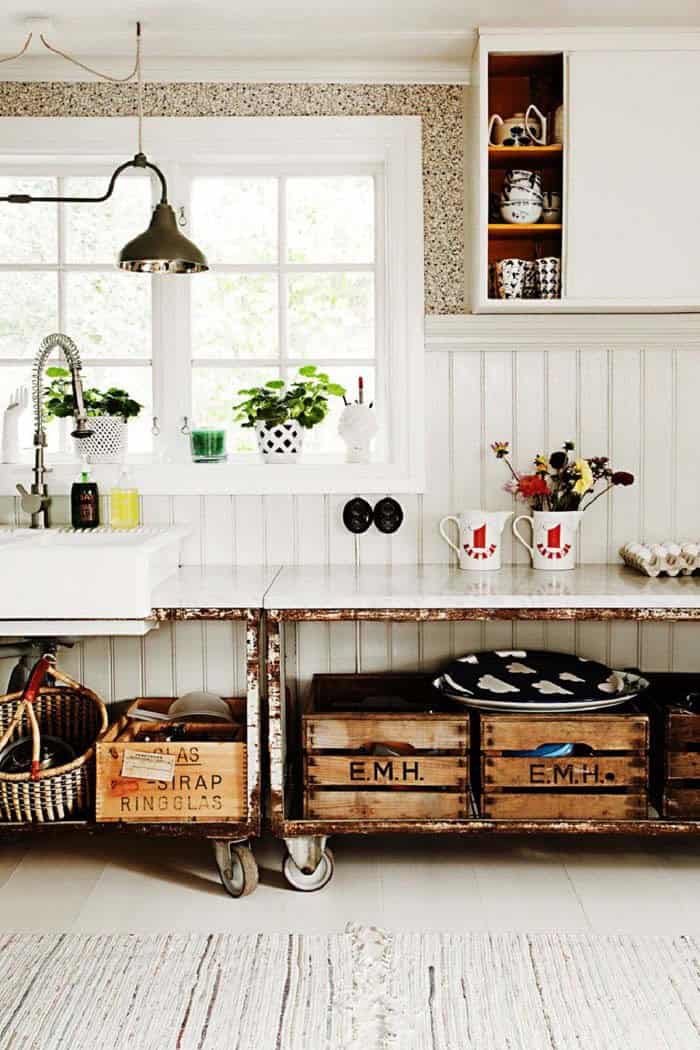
[(241, 476)]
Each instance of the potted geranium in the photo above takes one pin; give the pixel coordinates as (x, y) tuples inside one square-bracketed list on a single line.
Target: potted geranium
[(280, 412), (109, 411), (558, 491)]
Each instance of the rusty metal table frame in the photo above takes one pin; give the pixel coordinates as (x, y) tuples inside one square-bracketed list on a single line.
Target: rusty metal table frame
[(306, 838), (226, 836)]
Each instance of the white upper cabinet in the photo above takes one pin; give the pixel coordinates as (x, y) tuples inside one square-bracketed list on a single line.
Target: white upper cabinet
[(633, 216), (619, 152)]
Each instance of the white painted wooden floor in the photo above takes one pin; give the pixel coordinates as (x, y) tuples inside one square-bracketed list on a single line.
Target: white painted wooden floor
[(124, 884)]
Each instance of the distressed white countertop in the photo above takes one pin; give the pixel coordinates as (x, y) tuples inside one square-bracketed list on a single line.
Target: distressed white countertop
[(215, 587), (441, 587)]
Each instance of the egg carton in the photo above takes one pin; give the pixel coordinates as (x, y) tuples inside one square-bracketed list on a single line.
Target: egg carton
[(653, 559)]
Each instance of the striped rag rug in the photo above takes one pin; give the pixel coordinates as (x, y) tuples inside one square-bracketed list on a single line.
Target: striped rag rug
[(365, 989)]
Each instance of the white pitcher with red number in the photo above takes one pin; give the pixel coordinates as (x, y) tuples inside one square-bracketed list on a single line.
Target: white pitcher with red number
[(479, 537), (554, 538)]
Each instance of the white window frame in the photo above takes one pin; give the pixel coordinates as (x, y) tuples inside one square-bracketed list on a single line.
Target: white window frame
[(391, 147)]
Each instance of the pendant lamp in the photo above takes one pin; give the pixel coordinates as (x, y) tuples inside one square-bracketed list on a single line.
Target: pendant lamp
[(162, 248)]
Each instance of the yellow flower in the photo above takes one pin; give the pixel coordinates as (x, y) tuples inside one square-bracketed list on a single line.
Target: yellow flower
[(585, 477), (541, 465)]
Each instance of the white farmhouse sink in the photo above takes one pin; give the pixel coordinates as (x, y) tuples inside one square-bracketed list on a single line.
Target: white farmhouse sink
[(60, 574)]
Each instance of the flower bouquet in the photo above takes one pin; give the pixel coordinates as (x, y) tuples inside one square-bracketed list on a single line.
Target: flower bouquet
[(559, 489), (561, 482)]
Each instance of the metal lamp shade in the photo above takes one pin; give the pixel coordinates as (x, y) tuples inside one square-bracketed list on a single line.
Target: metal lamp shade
[(162, 248)]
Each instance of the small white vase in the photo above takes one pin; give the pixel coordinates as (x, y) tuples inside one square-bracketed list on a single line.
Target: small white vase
[(108, 441), (357, 427), (281, 442), (554, 538)]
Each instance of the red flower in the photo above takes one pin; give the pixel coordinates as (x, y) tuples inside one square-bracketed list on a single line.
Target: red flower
[(531, 485), (622, 477)]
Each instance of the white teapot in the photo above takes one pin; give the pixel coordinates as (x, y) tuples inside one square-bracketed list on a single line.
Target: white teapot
[(522, 129)]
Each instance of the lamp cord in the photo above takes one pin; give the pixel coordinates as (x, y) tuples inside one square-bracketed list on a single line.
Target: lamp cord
[(89, 69), (19, 54), (135, 72)]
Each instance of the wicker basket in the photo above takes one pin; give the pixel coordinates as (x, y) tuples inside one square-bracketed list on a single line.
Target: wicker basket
[(67, 710)]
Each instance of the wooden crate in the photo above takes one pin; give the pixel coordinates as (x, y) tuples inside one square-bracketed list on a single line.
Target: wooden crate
[(209, 782), (607, 776), (427, 776), (675, 746), (681, 792)]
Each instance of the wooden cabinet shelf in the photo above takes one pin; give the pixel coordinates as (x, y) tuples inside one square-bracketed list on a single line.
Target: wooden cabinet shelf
[(524, 229), (539, 156)]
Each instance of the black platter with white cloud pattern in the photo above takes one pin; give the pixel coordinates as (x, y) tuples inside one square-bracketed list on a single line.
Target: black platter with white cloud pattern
[(526, 676)]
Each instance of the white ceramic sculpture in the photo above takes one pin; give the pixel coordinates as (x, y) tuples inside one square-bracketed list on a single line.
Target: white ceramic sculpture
[(357, 427), (19, 399)]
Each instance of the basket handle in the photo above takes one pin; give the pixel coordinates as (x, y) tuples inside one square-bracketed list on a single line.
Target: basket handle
[(44, 664)]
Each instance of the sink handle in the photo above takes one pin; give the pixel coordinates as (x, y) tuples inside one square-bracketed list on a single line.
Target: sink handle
[(31, 502)]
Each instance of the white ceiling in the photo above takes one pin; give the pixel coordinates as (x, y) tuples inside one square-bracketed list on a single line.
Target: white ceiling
[(409, 31)]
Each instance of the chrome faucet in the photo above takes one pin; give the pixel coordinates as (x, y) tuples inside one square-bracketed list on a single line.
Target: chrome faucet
[(36, 502)]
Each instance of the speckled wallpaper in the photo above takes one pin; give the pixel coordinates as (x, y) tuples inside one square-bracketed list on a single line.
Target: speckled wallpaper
[(439, 106)]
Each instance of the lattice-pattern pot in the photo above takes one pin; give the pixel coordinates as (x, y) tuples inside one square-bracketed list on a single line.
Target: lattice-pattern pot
[(281, 442), (108, 441)]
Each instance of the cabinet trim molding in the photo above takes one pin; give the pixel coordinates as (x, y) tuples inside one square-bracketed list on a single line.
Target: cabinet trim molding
[(584, 38), (469, 332)]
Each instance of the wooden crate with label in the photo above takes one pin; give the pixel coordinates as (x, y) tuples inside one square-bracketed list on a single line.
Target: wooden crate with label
[(383, 764), (568, 767), (155, 771)]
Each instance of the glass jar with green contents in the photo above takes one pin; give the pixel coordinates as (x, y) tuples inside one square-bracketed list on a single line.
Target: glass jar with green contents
[(208, 445)]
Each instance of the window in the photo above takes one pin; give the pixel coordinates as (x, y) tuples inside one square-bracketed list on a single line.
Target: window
[(314, 236), (292, 283)]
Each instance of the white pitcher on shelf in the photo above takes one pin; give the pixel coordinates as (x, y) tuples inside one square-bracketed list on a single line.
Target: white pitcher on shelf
[(541, 138), (479, 534)]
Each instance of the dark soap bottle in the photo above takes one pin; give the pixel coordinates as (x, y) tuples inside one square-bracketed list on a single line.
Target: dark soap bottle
[(84, 503)]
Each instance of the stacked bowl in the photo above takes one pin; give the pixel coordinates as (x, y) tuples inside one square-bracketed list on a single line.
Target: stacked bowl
[(521, 197)]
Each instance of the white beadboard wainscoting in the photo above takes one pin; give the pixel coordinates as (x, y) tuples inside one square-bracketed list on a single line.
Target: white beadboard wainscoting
[(624, 386)]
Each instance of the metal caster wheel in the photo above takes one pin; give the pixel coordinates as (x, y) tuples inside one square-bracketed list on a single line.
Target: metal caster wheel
[(315, 880), (237, 866)]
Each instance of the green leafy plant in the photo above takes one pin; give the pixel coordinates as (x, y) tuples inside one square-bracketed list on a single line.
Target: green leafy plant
[(59, 402), (305, 400)]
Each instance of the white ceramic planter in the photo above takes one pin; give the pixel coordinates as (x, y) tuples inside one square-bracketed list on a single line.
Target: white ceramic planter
[(280, 443), (108, 442), (554, 538)]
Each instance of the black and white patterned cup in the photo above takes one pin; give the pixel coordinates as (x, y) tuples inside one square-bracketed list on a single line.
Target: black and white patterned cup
[(492, 286), (548, 277), (551, 206), (510, 278), (530, 287)]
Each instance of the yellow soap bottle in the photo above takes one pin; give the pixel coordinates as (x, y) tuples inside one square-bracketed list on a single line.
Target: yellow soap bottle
[(124, 504)]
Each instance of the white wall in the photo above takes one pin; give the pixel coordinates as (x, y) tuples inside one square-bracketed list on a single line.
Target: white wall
[(627, 387)]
